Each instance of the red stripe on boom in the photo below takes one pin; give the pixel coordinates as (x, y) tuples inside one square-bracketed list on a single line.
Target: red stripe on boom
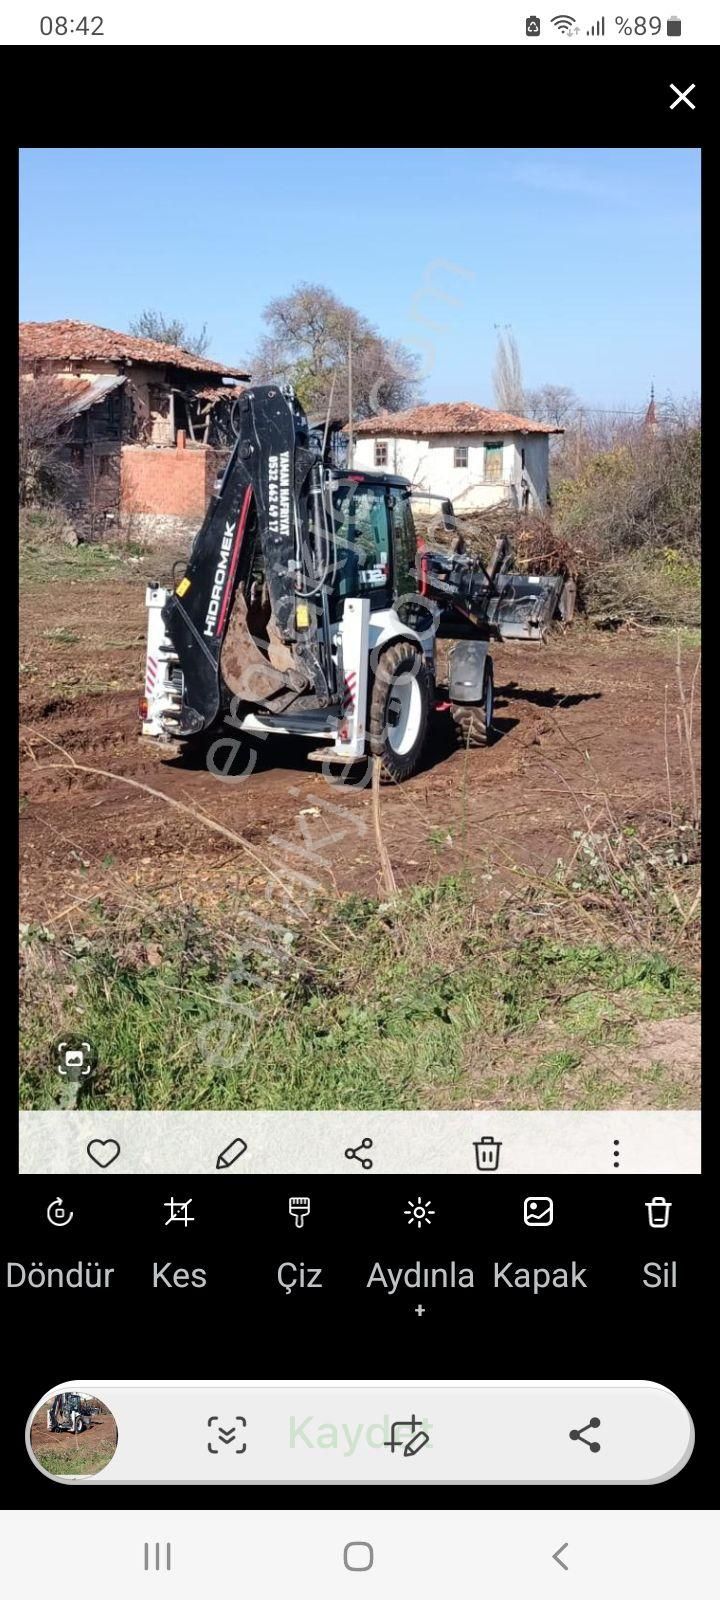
[(234, 557)]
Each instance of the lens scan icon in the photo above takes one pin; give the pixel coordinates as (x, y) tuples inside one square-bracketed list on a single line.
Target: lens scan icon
[(532, 27), (74, 1058)]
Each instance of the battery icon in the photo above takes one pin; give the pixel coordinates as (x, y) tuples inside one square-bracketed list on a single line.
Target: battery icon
[(674, 27)]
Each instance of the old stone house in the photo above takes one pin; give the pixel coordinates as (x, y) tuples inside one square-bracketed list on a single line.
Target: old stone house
[(475, 457), (146, 426)]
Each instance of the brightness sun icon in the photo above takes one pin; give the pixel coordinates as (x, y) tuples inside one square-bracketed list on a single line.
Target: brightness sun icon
[(419, 1211)]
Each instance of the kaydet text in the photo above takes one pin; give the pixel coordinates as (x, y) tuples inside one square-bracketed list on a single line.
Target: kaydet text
[(315, 1433)]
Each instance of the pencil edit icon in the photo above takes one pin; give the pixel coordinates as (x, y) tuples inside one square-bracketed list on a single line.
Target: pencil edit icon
[(408, 1436), (232, 1153)]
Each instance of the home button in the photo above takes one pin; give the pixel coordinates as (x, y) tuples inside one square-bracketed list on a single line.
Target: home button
[(358, 1556)]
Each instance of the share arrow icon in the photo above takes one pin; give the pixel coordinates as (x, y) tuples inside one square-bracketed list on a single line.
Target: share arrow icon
[(557, 1555)]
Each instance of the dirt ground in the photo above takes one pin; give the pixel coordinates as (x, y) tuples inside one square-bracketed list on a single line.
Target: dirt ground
[(582, 726), (99, 1440)]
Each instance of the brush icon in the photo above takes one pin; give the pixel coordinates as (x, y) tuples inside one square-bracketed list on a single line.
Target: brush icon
[(299, 1208)]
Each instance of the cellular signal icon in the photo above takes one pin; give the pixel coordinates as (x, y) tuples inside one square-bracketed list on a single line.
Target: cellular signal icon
[(597, 30), (563, 24)]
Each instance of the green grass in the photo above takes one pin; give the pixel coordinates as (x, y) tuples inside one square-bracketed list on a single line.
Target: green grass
[(687, 638), (77, 1463), (45, 557), (61, 636), (41, 564), (366, 1007)]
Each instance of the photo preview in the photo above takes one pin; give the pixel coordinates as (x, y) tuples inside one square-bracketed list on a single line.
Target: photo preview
[(419, 716)]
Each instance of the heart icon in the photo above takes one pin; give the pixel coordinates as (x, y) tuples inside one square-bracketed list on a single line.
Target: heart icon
[(103, 1151)]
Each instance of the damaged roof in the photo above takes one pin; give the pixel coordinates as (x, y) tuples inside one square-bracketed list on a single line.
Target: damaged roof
[(82, 393), (222, 391), (83, 341), (460, 416)]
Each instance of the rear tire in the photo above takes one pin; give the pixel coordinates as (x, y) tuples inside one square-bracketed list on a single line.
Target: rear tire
[(474, 723), (399, 709)]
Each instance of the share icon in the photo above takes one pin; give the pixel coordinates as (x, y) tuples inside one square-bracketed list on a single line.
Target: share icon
[(579, 1433)]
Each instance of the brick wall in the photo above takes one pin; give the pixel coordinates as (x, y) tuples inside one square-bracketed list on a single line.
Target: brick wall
[(167, 482)]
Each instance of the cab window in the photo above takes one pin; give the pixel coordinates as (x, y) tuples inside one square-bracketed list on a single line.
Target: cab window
[(404, 540), (362, 539)]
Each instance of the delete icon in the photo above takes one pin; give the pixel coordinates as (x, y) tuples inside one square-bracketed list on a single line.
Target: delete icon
[(538, 1211)]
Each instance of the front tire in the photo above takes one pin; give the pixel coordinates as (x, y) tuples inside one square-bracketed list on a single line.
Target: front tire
[(399, 709), (474, 723)]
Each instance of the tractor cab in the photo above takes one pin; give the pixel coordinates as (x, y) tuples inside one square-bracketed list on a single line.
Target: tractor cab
[(373, 538)]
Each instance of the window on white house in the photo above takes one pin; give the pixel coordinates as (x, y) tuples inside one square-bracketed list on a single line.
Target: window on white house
[(493, 463), (461, 455), (381, 453)]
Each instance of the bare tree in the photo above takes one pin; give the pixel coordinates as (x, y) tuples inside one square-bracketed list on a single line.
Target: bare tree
[(309, 331), (45, 471), (552, 402), (170, 330), (507, 372)]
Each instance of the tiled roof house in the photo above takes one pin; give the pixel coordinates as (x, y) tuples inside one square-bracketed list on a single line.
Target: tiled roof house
[(467, 453)]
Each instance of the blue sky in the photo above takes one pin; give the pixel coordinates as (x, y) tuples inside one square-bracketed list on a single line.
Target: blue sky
[(592, 256)]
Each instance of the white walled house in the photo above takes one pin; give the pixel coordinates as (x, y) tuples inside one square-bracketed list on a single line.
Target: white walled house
[(474, 457)]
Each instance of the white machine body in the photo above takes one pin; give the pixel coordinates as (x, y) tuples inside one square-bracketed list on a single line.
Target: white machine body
[(360, 634)]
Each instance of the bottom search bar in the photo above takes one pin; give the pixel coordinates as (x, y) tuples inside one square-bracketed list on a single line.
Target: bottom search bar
[(594, 1432)]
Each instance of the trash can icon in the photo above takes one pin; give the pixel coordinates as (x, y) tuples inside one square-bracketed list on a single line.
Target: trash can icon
[(658, 1210), (487, 1153)]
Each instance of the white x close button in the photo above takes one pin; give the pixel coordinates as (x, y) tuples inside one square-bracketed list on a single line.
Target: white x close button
[(682, 97)]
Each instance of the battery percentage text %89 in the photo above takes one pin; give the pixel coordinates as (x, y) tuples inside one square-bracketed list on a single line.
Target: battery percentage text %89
[(638, 25)]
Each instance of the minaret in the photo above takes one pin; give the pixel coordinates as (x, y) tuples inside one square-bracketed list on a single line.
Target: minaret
[(651, 424)]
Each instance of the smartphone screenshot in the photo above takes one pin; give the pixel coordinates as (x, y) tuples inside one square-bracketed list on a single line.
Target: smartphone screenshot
[(353, 1233)]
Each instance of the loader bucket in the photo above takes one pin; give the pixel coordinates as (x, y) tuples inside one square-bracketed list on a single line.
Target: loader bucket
[(525, 605)]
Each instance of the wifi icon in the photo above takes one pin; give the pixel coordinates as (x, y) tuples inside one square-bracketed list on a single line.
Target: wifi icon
[(563, 24)]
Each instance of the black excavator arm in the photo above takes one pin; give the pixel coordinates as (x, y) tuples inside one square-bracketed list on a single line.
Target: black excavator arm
[(270, 502)]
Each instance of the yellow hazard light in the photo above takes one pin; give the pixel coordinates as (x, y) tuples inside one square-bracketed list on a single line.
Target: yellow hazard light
[(302, 616), (183, 587), (143, 709)]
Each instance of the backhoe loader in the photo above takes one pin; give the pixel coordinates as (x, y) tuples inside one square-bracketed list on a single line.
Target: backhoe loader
[(70, 1413), (309, 606)]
